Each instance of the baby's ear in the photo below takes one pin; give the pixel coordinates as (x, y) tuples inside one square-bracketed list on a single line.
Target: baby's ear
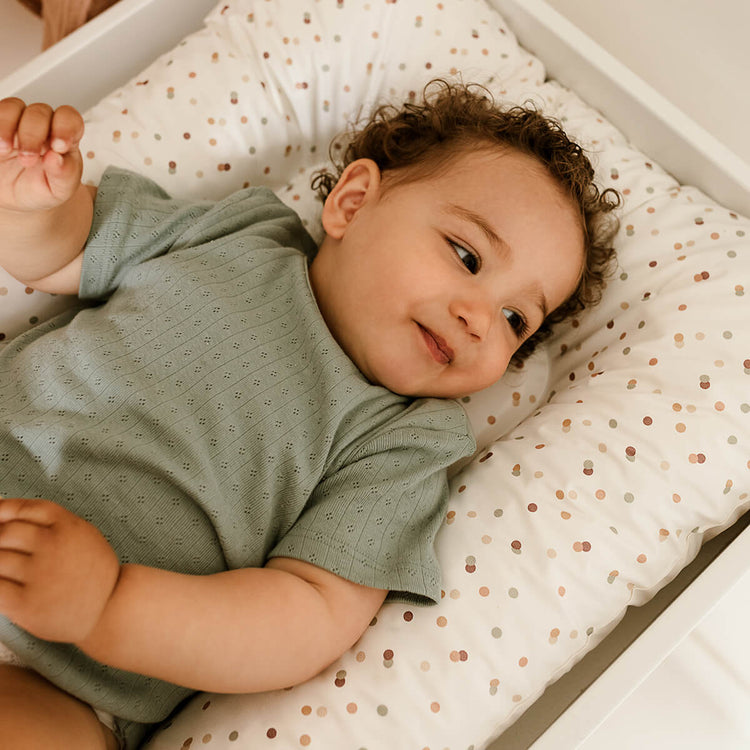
[(358, 184)]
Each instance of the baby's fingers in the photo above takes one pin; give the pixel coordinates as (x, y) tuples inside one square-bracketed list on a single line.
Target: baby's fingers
[(22, 537), (10, 114), (66, 130), (40, 512), (33, 132), (14, 567), (63, 164)]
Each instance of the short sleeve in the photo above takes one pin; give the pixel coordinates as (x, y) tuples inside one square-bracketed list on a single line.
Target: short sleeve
[(136, 221), (373, 519)]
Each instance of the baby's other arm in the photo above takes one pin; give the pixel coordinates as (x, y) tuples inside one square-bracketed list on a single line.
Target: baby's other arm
[(45, 210), (246, 630)]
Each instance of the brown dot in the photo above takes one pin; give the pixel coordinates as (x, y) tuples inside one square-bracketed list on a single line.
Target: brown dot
[(515, 544), (630, 451), (532, 507), (271, 733), (388, 654), (648, 421), (306, 710), (408, 616)]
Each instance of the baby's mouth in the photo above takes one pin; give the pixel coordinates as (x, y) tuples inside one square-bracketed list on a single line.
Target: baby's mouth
[(437, 346)]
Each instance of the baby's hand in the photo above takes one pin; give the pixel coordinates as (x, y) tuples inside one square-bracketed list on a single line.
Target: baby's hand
[(40, 163), (57, 571)]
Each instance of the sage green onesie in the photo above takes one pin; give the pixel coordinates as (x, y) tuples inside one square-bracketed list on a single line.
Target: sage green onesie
[(201, 415)]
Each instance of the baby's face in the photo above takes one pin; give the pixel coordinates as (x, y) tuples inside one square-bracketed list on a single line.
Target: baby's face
[(430, 286)]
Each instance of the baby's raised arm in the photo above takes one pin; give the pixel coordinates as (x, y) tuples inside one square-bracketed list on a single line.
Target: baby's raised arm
[(45, 210)]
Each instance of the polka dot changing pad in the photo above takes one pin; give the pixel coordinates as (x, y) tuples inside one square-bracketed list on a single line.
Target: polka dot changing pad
[(605, 462)]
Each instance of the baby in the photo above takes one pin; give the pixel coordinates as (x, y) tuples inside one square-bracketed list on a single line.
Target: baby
[(232, 457)]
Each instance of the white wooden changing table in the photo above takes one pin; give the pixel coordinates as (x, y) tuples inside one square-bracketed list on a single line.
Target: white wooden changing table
[(702, 630)]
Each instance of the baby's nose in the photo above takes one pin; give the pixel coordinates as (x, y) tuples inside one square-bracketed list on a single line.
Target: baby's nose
[(475, 314)]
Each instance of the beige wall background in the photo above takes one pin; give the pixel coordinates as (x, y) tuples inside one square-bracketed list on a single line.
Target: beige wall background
[(694, 52)]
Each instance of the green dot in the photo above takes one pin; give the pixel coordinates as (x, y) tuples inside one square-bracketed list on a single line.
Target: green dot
[(382, 710), (732, 440), (629, 497), (613, 423), (497, 632)]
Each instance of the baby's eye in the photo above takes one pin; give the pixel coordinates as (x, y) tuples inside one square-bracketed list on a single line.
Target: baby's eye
[(467, 257), (517, 322)]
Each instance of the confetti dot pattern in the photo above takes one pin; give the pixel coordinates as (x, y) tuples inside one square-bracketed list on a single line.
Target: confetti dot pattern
[(604, 462)]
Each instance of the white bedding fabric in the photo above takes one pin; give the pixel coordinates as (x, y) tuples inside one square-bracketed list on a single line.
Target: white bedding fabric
[(606, 462)]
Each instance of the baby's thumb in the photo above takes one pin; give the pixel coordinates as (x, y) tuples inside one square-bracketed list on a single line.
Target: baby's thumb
[(63, 172)]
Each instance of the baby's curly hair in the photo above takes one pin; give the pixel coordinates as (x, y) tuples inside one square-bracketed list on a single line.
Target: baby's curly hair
[(417, 139)]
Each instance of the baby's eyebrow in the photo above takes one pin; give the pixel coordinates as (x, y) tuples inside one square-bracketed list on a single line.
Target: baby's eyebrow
[(498, 243), (536, 294)]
